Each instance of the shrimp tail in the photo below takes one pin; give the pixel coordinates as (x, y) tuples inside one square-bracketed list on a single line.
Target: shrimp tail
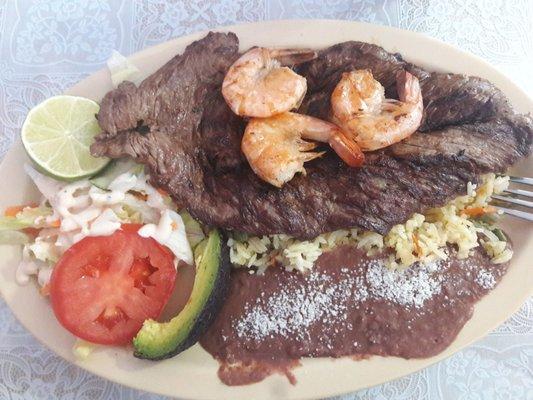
[(260, 83), (359, 106), (408, 87), (347, 149), (288, 57)]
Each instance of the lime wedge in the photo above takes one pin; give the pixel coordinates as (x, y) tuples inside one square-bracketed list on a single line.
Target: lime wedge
[(57, 135)]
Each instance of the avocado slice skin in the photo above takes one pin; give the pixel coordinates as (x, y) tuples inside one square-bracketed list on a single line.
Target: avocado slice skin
[(157, 341)]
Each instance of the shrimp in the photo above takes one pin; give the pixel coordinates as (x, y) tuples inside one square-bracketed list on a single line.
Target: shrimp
[(276, 150), (257, 85), (359, 106)]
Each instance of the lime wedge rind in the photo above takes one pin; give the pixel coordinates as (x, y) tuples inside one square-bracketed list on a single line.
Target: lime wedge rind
[(57, 135)]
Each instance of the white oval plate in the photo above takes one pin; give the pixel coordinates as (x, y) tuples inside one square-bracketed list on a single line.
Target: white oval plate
[(193, 374)]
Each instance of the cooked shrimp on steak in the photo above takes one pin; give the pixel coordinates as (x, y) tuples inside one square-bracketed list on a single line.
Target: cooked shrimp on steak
[(276, 149), (359, 106), (259, 85)]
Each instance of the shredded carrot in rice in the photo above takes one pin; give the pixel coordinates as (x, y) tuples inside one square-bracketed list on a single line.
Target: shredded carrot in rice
[(479, 211)]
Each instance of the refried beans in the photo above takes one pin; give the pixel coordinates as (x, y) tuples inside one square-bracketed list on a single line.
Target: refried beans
[(348, 305)]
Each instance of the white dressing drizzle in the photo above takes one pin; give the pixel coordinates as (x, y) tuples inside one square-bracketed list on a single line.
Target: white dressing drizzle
[(170, 232), (83, 209)]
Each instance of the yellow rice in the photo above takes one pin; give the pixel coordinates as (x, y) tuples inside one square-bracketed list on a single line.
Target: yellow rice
[(421, 238)]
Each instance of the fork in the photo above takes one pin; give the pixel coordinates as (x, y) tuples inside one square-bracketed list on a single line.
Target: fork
[(507, 202)]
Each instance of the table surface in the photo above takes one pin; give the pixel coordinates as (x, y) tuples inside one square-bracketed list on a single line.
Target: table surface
[(46, 46)]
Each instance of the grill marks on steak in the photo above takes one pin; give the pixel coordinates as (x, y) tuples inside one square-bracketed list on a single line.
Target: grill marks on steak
[(491, 145), (449, 99), (178, 124)]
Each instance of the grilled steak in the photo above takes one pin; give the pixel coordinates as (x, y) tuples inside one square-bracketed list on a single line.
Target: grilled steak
[(177, 123)]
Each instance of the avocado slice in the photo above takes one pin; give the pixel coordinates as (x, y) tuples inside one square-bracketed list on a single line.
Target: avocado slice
[(156, 340)]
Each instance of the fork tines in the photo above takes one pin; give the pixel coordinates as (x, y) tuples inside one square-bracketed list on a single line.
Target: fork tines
[(511, 200)]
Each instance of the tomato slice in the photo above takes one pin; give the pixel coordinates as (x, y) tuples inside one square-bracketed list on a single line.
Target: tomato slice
[(103, 288)]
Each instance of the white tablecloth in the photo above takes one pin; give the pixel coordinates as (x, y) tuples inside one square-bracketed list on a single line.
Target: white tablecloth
[(46, 46)]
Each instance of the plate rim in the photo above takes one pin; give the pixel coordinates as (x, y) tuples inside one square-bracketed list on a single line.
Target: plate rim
[(356, 24)]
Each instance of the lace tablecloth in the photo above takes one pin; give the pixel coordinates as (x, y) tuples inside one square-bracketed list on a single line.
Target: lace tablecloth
[(47, 45)]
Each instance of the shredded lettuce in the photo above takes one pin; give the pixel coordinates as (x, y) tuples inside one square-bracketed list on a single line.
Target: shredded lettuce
[(194, 231), (107, 178), (46, 185), (122, 69), (27, 218), (13, 223), (170, 232), (44, 251), (126, 213), (13, 237), (82, 349), (32, 214), (135, 210)]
